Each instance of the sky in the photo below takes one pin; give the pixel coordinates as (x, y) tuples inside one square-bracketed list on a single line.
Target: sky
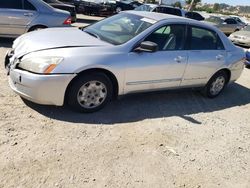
[(229, 2)]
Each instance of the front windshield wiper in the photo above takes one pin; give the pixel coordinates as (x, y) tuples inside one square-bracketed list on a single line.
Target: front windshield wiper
[(92, 34)]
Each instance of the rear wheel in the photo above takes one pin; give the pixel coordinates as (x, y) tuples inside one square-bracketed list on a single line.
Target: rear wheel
[(90, 93), (216, 84)]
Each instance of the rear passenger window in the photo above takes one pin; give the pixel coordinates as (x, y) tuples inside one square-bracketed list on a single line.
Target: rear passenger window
[(203, 39), (28, 6), (11, 4), (230, 21)]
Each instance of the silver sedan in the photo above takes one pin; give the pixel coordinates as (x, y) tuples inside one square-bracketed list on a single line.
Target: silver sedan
[(241, 37), (227, 26), (130, 52), (18, 17)]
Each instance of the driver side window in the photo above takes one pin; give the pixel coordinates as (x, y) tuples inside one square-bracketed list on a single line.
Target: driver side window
[(171, 37)]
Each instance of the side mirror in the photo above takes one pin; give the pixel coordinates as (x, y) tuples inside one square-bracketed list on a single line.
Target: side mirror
[(147, 46)]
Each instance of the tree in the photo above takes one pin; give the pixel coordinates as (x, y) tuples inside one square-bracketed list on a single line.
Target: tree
[(192, 4), (177, 4), (216, 7)]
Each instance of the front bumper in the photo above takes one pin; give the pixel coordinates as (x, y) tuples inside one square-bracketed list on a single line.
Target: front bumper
[(41, 89)]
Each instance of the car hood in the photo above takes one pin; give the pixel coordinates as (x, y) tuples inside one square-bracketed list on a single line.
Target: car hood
[(54, 38)]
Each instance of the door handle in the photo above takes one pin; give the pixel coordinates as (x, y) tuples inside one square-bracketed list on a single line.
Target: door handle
[(28, 14), (219, 57), (179, 59)]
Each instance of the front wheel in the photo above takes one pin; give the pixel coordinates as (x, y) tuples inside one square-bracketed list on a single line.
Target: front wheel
[(90, 93), (216, 84)]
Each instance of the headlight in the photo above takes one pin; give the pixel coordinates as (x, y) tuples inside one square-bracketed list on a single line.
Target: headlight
[(40, 64)]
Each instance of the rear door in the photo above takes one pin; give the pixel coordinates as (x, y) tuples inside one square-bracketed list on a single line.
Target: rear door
[(205, 56), (15, 16)]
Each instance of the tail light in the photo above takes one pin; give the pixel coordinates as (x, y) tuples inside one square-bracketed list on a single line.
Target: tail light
[(67, 21)]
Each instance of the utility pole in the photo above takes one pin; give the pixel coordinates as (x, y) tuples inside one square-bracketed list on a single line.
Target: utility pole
[(191, 7)]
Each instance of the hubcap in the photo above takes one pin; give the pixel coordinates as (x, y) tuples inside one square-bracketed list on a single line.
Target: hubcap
[(92, 94), (217, 85)]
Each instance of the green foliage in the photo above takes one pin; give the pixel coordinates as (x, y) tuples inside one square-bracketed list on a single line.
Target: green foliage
[(150, 1), (216, 7), (177, 4)]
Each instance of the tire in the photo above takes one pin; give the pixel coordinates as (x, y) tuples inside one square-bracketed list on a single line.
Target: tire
[(216, 84), (89, 93)]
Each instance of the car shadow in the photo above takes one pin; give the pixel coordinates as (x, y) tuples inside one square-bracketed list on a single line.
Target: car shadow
[(137, 107), (6, 42)]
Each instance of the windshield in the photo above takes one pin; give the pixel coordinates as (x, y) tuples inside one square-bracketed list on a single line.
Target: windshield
[(120, 28), (144, 8), (214, 19)]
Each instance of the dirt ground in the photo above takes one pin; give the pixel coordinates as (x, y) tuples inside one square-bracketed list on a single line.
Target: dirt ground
[(165, 139)]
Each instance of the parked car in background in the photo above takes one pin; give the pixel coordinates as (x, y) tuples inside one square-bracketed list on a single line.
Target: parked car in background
[(130, 52), (248, 59), (76, 3), (194, 16), (63, 6), (98, 7), (239, 19), (161, 9), (18, 17), (227, 26), (126, 5), (241, 37)]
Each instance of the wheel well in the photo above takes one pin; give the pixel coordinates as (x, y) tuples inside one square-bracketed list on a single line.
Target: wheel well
[(110, 75), (35, 26), (227, 71)]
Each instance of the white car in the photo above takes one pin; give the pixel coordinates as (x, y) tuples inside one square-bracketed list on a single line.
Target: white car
[(241, 37), (130, 52)]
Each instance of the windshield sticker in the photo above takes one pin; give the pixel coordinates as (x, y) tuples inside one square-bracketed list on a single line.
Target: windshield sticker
[(148, 20)]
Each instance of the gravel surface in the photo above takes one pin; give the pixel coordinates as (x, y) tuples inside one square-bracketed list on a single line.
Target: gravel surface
[(164, 139)]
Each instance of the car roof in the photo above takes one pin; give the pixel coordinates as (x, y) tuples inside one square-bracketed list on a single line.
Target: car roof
[(156, 16), (161, 16)]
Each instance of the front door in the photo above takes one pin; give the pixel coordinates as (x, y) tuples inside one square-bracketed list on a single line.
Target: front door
[(161, 69)]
